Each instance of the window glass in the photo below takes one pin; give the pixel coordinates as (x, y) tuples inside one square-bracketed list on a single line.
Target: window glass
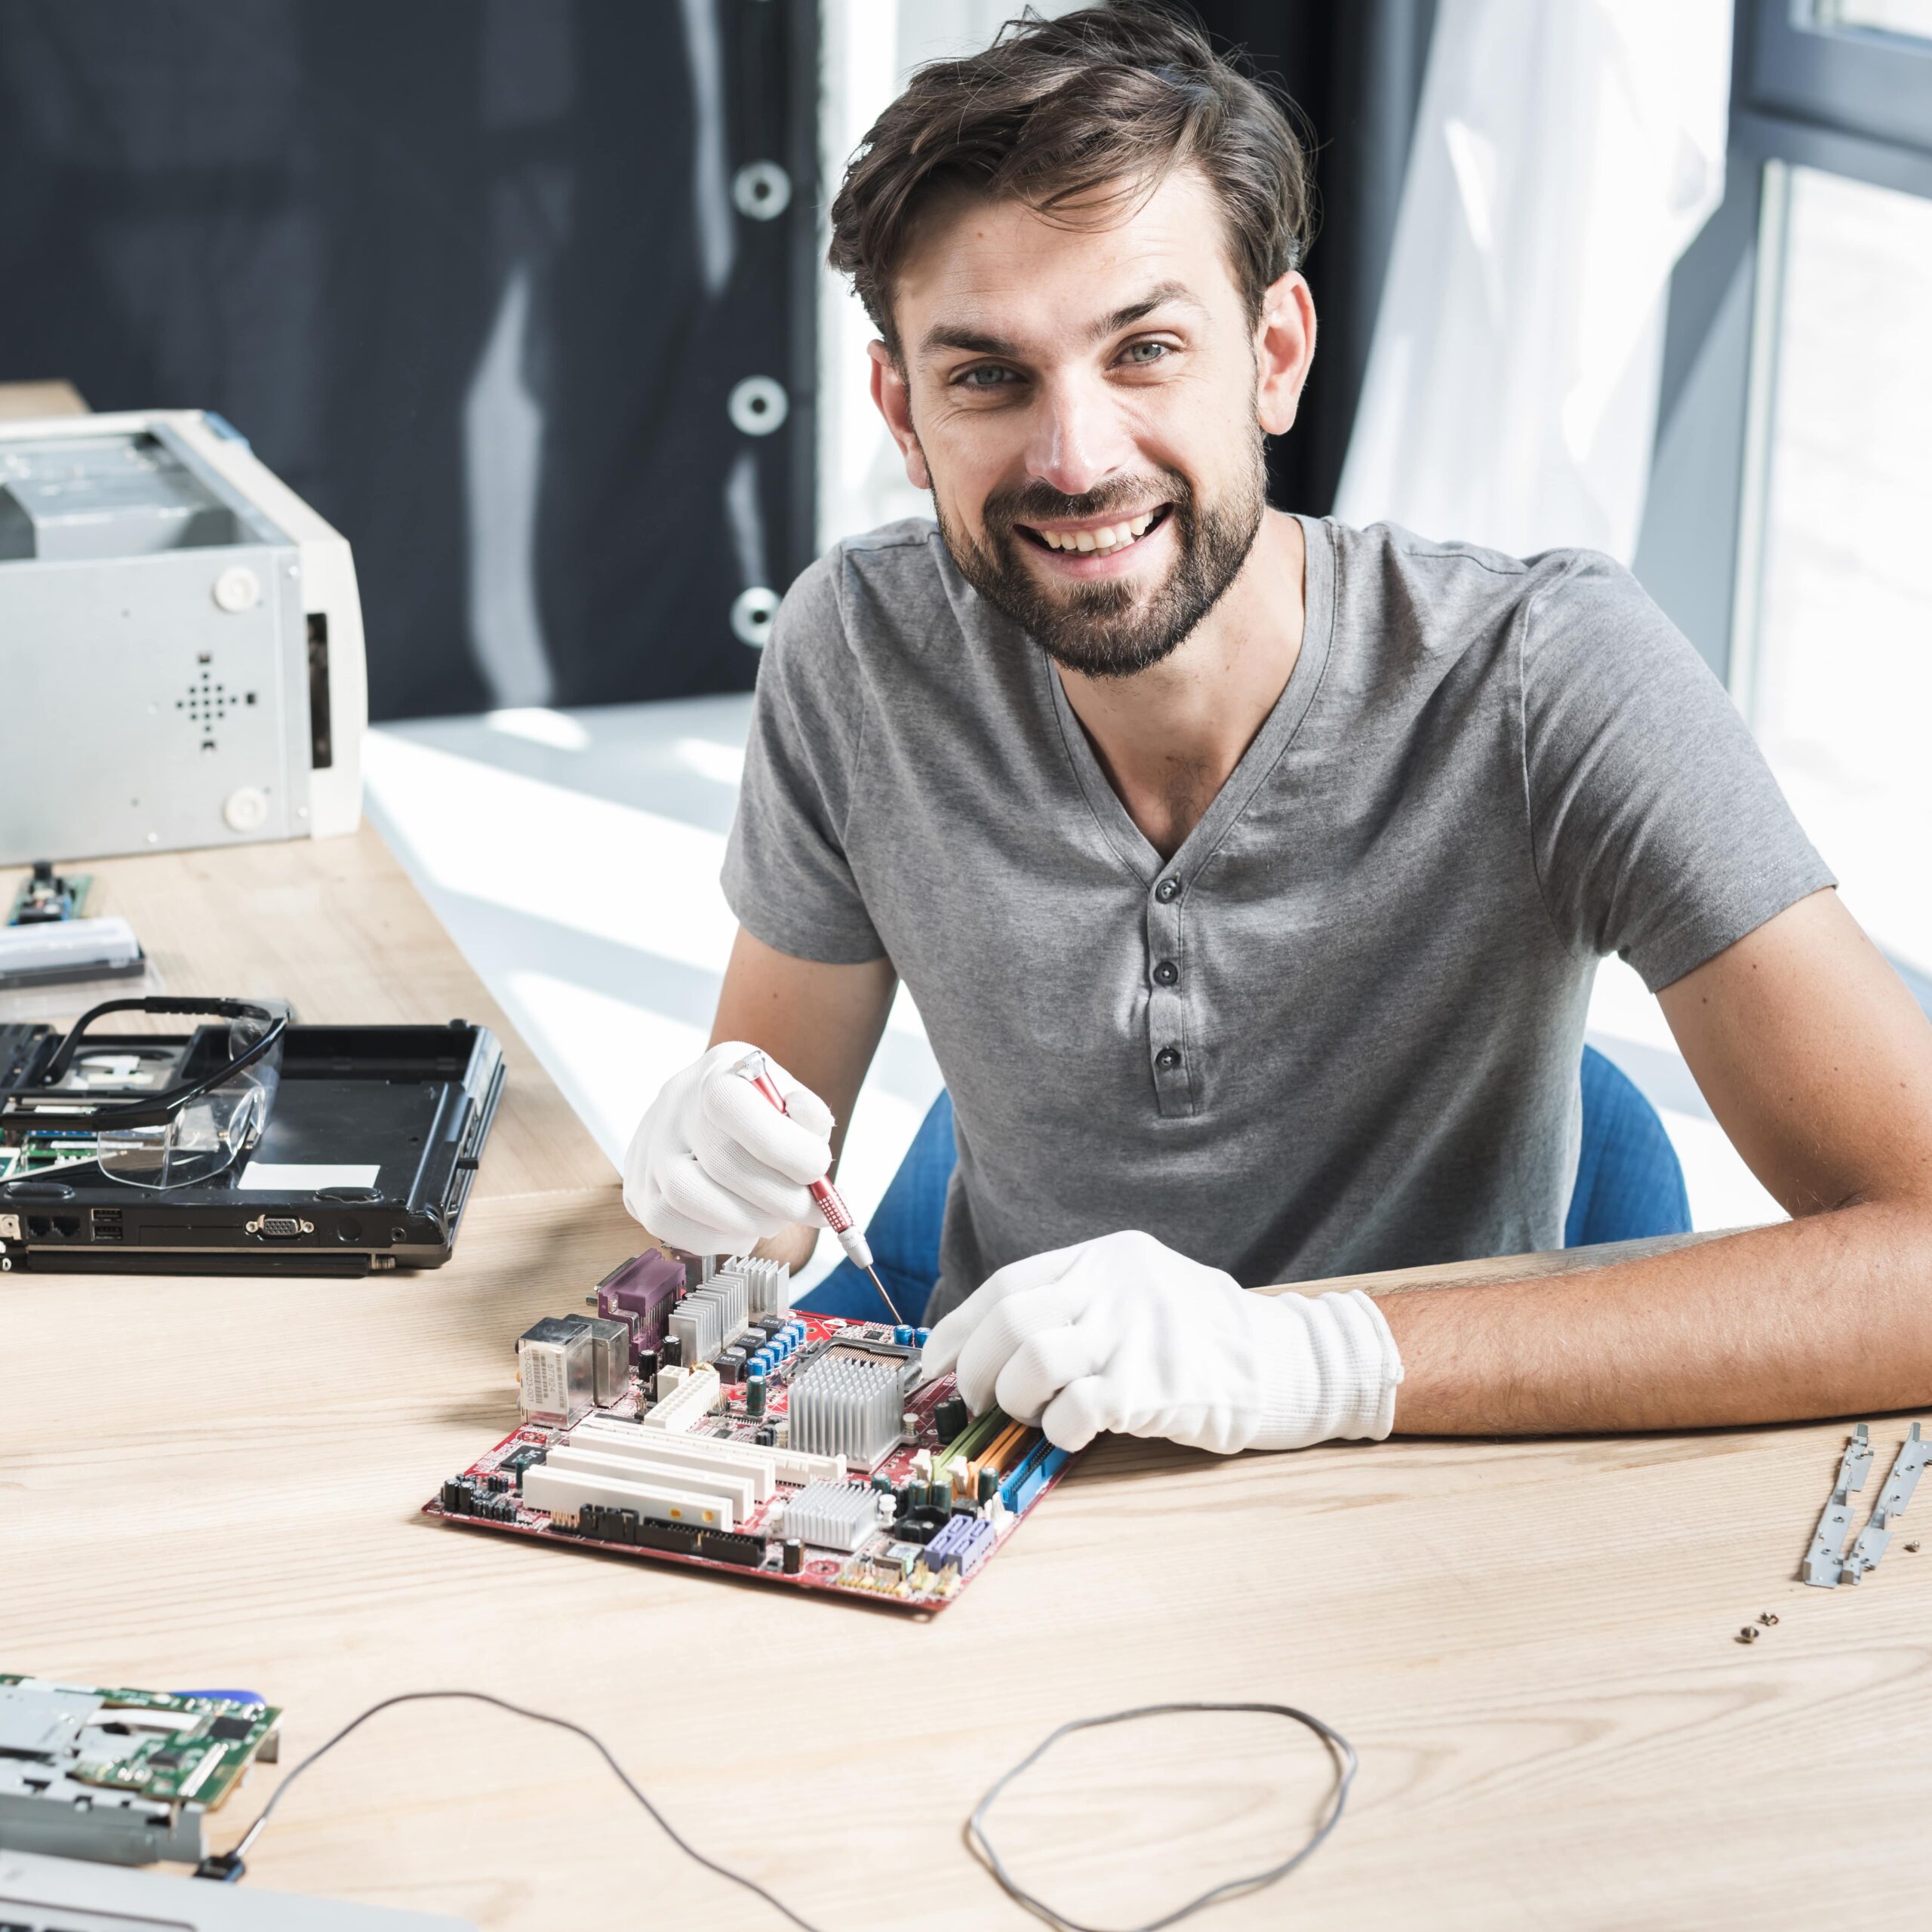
[(1912, 17), (1840, 688)]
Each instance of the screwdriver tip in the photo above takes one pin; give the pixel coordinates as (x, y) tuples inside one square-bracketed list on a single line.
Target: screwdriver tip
[(898, 1321)]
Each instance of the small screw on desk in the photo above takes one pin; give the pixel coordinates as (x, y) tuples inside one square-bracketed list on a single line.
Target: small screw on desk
[(1748, 1635), (1768, 1618)]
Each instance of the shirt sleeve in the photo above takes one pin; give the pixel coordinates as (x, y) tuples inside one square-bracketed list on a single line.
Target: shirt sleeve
[(1658, 831), (786, 876)]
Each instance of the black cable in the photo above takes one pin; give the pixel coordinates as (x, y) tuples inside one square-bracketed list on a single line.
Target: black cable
[(228, 1865), (596, 1743), (975, 1829)]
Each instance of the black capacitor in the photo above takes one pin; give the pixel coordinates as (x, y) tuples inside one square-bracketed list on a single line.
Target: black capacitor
[(940, 1497), (647, 1366), (755, 1396), (989, 1484), (951, 1418), (671, 1352), (766, 1436), (795, 1558)]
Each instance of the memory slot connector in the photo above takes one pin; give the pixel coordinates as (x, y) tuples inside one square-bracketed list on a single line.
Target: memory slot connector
[(1006, 1449), (982, 1431)]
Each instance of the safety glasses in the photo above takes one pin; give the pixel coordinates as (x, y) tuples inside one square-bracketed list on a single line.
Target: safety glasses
[(153, 1112)]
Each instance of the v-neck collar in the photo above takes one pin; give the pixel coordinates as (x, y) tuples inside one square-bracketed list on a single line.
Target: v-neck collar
[(1277, 729)]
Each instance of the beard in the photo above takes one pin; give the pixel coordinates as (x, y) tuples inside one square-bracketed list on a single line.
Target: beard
[(1117, 627)]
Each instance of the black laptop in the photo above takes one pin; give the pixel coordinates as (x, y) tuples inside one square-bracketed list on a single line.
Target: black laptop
[(243, 1144)]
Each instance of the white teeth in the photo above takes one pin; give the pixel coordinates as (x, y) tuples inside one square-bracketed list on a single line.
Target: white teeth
[(1114, 537)]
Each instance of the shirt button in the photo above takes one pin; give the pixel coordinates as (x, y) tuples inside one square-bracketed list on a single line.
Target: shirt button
[(1166, 973), (1167, 1059), (1167, 892)]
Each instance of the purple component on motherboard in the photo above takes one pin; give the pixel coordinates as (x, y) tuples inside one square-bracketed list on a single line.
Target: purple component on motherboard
[(641, 1291)]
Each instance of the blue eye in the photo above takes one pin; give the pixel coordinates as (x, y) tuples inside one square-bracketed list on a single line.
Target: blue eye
[(970, 380), (1155, 352)]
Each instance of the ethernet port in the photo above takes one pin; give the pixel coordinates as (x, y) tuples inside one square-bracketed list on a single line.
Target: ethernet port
[(67, 1226), (39, 1228)]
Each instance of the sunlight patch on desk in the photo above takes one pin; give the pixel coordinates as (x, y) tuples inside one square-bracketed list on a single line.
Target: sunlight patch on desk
[(541, 725)]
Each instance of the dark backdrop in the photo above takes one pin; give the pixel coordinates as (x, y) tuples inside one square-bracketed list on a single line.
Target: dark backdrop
[(454, 266), (1355, 68)]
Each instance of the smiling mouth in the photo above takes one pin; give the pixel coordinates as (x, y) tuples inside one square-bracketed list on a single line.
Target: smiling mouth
[(1106, 541)]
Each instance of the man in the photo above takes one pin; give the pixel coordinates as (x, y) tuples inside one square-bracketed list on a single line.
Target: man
[(1251, 872)]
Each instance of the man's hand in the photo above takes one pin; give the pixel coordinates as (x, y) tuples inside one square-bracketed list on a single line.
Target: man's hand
[(1122, 1333), (714, 1168)]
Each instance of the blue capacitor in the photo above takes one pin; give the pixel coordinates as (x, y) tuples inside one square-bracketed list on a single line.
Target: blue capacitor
[(902, 1336), (922, 1335)]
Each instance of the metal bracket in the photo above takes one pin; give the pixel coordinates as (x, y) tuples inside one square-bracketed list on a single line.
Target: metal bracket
[(1914, 1454), (1826, 1564)]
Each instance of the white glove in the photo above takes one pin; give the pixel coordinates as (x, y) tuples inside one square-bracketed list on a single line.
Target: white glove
[(1122, 1333), (715, 1167)]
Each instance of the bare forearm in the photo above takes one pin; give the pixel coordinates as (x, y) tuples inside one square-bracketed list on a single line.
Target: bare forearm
[(1827, 1315)]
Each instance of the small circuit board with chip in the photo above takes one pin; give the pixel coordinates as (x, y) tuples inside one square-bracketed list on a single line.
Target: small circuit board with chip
[(775, 1443), (124, 1775)]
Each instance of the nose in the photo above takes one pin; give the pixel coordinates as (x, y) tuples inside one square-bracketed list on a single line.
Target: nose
[(1076, 438)]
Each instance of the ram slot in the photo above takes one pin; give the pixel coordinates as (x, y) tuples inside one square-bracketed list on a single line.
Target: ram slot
[(563, 1492)]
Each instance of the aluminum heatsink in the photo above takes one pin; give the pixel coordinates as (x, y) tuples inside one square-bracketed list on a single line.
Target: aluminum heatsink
[(843, 1407), (834, 1515)]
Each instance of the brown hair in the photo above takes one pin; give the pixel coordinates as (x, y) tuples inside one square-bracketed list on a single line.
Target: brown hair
[(1090, 110)]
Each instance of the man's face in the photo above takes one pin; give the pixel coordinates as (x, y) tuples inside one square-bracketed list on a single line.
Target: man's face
[(1082, 404)]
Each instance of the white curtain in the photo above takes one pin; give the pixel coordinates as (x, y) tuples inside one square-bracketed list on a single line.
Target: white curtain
[(1566, 152)]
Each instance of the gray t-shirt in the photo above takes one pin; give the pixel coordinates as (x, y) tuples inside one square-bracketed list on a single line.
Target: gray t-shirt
[(1341, 1029)]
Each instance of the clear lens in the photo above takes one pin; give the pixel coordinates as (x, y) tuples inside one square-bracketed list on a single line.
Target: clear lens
[(208, 1135)]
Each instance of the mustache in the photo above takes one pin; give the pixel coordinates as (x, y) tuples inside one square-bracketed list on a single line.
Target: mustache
[(1037, 502)]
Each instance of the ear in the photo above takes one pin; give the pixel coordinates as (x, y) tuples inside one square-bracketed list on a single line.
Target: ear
[(1284, 348), (895, 404)]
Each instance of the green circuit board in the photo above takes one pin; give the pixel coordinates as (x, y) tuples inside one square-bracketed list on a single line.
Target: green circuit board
[(171, 1748)]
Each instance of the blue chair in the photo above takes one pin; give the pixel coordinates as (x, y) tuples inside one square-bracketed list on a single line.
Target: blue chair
[(1628, 1183)]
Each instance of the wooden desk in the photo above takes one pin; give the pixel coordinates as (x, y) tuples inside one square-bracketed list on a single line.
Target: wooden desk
[(1531, 1644), (22, 402)]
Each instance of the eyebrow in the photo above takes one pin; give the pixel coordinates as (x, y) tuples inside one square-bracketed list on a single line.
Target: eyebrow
[(977, 342)]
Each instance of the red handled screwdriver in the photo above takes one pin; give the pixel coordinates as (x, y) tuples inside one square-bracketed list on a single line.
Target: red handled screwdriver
[(837, 1216)]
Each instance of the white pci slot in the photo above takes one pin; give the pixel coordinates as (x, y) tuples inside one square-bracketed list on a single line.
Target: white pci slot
[(697, 1452), (563, 1492), (791, 1465), (737, 1486), (689, 1403)]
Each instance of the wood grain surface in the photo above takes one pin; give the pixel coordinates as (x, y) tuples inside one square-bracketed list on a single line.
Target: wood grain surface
[(1531, 1644), (334, 925), (22, 402)]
